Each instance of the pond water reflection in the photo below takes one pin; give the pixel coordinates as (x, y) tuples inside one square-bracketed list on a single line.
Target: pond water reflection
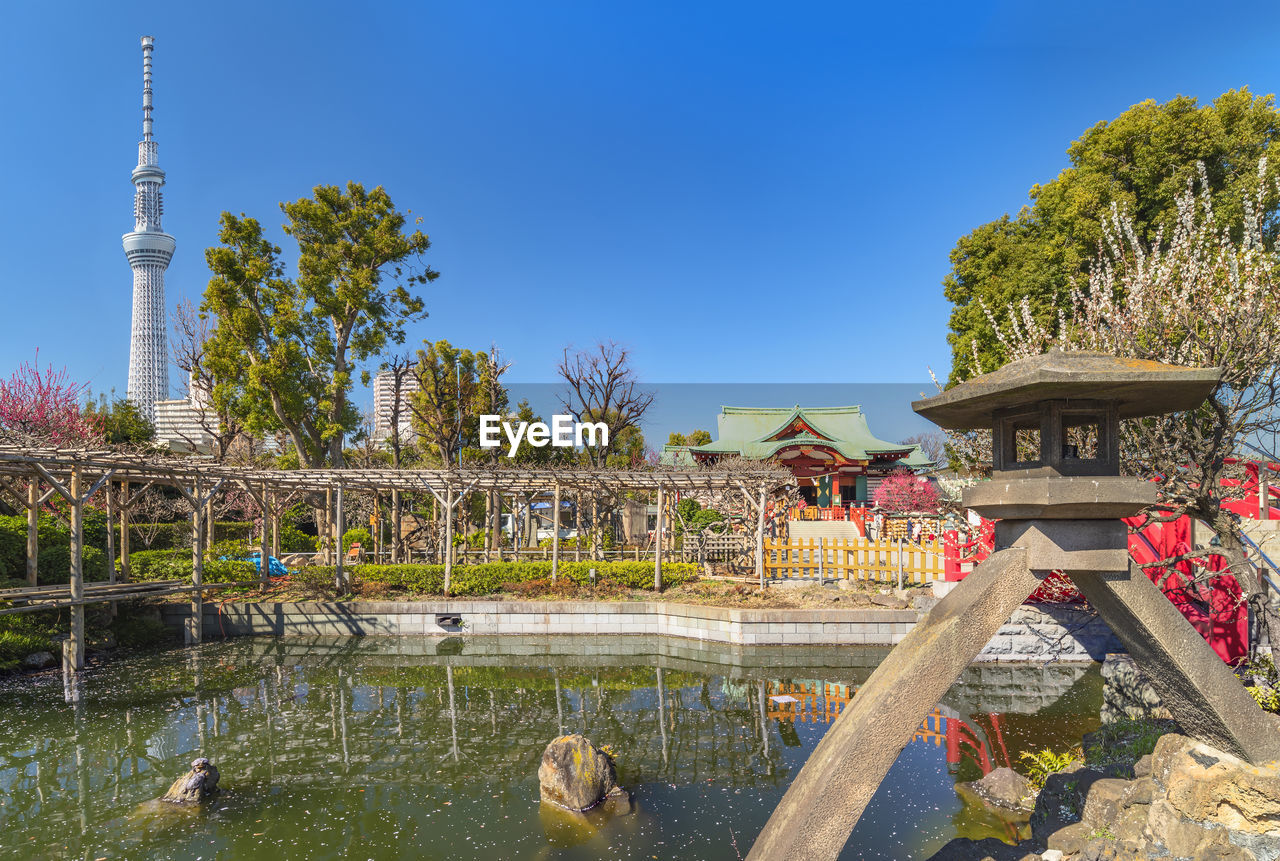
[(384, 748)]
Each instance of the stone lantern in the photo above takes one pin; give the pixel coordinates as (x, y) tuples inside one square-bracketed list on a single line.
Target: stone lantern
[(1057, 495), (1055, 485)]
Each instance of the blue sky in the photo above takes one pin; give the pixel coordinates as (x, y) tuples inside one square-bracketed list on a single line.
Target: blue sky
[(738, 192)]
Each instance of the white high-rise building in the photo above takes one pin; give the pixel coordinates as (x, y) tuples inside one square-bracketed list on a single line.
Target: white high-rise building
[(186, 424), (149, 250), (383, 395)]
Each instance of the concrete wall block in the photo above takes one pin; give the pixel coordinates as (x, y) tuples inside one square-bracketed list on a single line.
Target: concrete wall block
[(999, 645)]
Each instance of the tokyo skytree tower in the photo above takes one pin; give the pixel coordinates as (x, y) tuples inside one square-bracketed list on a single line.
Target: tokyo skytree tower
[(149, 250)]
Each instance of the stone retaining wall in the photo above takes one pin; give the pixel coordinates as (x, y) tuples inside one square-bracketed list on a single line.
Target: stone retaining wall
[(1032, 634), (1035, 631), (482, 618)]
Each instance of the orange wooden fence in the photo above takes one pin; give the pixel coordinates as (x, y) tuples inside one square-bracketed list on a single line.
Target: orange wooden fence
[(855, 558)]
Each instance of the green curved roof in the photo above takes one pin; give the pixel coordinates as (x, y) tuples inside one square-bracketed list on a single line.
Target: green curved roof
[(752, 433)]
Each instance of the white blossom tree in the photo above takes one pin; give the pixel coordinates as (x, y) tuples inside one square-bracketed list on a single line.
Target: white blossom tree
[(1205, 296)]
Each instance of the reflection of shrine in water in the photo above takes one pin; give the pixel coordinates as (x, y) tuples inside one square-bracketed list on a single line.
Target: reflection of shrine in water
[(979, 739)]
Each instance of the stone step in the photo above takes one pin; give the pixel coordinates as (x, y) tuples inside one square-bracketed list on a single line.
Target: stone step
[(826, 529)]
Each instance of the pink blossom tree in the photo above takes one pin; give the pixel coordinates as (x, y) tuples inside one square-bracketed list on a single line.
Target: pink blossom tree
[(44, 406), (903, 492)]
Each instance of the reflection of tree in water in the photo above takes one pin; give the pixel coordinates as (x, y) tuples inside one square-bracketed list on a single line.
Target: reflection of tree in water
[(276, 718), (443, 728)]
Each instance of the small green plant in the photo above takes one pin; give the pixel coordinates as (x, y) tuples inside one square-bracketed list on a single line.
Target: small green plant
[(1043, 763), (1125, 741), (1261, 680), (315, 583), (16, 645), (1103, 833), (1267, 698)]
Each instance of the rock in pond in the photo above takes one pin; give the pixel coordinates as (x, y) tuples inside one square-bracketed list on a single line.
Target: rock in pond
[(1004, 788), (196, 785), (575, 774), (39, 661)]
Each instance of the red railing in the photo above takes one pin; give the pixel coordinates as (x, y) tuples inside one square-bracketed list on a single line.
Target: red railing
[(856, 513)]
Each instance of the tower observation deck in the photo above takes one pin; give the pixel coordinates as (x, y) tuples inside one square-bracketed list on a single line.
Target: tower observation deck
[(149, 250)]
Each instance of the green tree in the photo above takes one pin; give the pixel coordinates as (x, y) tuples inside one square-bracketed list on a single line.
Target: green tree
[(692, 517), (697, 437), (285, 351), (119, 421), (443, 407), (1140, 162), (626, 449), (492, 397)]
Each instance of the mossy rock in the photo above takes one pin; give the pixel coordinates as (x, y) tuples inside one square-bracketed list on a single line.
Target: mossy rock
[(575, 774)]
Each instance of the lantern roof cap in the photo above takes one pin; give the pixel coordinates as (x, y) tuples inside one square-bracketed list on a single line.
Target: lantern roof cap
[(1137, 387)]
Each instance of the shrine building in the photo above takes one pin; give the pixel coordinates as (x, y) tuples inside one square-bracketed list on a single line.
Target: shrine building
[(830, 450)]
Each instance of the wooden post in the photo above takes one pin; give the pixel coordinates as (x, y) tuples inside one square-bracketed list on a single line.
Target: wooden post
[(264, 544), (448, 541), (73, 656), (275, 527), (397, 549), (822, 559), (195, 625), (597, 536), (125, 564), (1264, 493), (33, 531), (488, 525), (555, 535), (577, 521), (497, 524), (899, 564), (324, 530), (657, 544), (760, 539), (340, 580), (111, 543)]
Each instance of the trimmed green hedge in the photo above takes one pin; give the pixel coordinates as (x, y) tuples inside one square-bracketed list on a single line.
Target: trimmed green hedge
[(486, 579), (176, 565), (54, 560)]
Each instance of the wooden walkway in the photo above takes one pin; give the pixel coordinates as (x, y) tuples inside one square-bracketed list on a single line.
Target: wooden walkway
[(29, 599)]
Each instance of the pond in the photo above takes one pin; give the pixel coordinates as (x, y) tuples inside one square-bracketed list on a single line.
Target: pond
[(388, 748)]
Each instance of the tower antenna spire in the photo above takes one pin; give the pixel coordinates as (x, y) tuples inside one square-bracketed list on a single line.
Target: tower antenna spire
[(148, 42)]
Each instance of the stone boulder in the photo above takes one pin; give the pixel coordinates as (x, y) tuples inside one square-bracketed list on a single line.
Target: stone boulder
[(1187, 800), (1062, 799), (575, 774), (890, 602), (1216, 792), (38, 661), (196, 785), (1003, 788), (1127, 693), (987, 849)]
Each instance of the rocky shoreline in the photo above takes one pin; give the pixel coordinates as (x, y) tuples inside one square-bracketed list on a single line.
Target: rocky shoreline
[(1185, 800)]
